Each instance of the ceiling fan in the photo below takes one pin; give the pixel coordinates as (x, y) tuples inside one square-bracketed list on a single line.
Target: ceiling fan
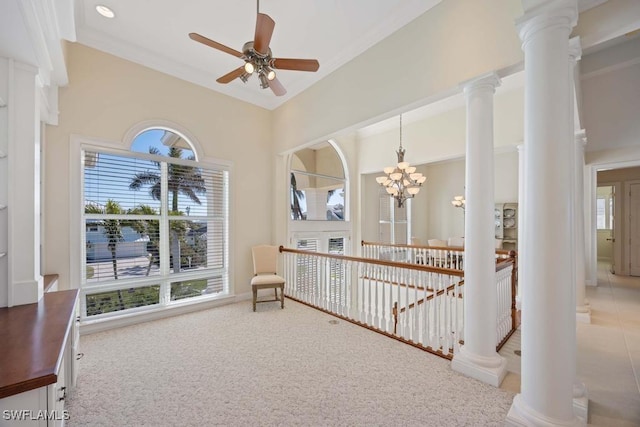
[(257, 57)]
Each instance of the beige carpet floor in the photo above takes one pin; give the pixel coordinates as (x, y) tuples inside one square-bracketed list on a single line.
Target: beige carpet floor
[(298, 366)]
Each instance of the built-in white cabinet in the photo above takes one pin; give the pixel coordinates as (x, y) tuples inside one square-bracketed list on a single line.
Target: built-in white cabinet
[(38, 360), (41, 407)]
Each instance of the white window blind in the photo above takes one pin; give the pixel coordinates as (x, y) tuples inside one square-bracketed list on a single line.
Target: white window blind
[(154, 227), (393, 224)]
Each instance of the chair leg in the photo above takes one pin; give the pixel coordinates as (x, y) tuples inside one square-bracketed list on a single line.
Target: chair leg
[(276, 291), (282, 296), (255, 298)]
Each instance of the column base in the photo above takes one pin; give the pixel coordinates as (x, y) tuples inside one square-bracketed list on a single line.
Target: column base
[(581, 401), (521, 414), (490, 370), (583, 314)]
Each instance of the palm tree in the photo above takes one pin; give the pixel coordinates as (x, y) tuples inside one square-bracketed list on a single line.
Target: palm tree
[(113, 232), (112, 228), (149, 228), (296, 195), (185, 180)]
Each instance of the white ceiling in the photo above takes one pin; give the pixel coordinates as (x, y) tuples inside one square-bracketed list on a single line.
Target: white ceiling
[(154, 33)]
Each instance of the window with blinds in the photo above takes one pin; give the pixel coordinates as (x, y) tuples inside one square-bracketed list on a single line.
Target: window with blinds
[(155, 229), (394, 224)]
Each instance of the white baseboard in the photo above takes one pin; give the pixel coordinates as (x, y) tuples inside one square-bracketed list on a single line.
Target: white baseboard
[(99, 325)]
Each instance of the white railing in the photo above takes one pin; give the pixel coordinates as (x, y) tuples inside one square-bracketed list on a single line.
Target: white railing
[(436, 256), (414, 303), (453, 257), (505, 323)]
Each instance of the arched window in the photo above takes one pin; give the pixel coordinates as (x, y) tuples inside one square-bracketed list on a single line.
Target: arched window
[(155, 224), (317, 188), (318, 200), (163, 142)]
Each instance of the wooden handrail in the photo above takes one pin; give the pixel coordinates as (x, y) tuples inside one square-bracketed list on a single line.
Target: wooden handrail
[(432, 296), (419, 267), (448, 248)]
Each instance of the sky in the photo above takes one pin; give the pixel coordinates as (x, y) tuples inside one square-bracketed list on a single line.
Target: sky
[(110, 177)]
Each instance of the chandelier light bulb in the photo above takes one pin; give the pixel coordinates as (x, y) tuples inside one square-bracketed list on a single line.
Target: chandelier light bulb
[(401, 182), (248, 67)]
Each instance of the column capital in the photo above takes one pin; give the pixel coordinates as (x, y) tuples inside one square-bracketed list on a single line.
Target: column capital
[(489, 81), (580, 138), (548, 14), (575, 49)]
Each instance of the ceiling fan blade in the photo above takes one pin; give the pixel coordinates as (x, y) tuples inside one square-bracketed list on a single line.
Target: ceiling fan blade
[(296, 64), (264, 30), (202, 39), (277, 87), (232, 75)]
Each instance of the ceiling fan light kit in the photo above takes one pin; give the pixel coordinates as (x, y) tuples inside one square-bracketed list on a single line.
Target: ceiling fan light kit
[(258, 58)]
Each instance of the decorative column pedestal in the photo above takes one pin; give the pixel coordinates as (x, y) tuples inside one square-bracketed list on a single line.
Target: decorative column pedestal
[(548, 299), (478, 358)]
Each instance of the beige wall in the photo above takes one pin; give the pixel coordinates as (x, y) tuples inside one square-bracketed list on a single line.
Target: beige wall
[(107, 96), (480, 37), (433, 215)]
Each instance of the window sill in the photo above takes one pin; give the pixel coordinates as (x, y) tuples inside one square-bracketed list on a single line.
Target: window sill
[(90, 326)]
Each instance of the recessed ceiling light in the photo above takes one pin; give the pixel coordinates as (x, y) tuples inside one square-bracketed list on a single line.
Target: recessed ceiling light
[(105, 11)]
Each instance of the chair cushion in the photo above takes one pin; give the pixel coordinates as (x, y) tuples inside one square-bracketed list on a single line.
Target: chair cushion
[(264, 279)]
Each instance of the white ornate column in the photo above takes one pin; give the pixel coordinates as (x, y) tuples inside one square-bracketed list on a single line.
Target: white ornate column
[(478, 358), (548, 301), (522, 222)]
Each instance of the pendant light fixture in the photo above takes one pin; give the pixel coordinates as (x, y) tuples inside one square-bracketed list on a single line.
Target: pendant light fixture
[(401, 182)]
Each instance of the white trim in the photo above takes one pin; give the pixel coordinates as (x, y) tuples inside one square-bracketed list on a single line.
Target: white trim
[(26, 292), (626, 262), (618, 263), (618, 158), (78, 144), (99, 325), (167, 125), (610, 68), (248, 93)]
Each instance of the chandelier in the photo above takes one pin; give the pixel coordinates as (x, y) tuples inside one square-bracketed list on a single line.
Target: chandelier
[(458, 202), (402, 182)]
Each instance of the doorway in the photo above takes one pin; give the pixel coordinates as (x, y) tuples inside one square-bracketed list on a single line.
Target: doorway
[(634, 227), (605, 224)]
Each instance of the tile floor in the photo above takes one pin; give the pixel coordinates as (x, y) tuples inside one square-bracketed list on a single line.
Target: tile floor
[(608, 360)]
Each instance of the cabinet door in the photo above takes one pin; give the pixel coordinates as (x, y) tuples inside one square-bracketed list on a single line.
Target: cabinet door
[(24, 409), (56, 396)]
